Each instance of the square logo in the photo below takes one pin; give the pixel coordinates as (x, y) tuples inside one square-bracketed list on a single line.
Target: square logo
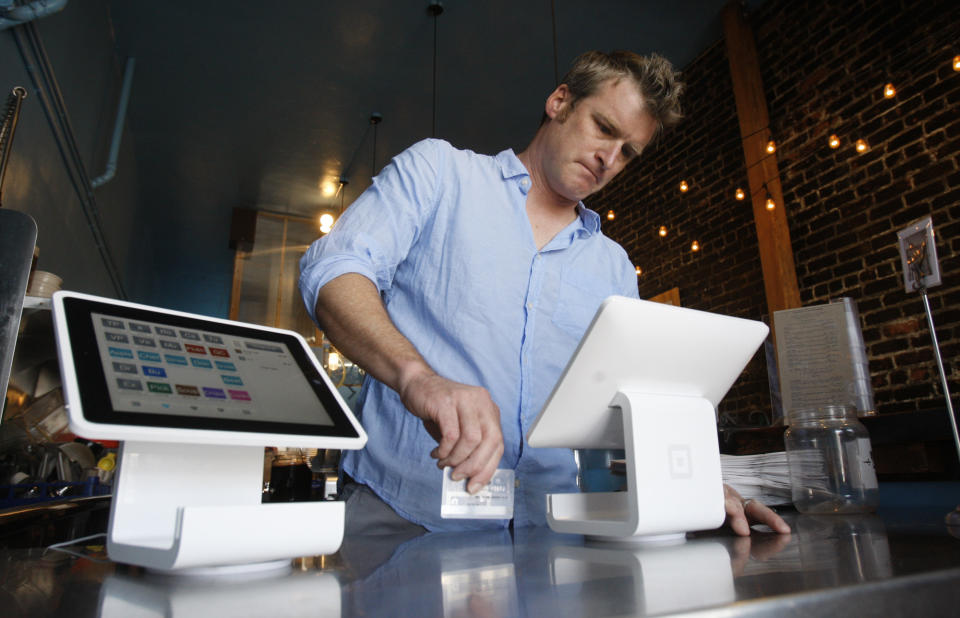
[(681, 465)]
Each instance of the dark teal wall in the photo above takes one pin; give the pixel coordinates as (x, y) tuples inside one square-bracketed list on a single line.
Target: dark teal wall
[(78, 43)]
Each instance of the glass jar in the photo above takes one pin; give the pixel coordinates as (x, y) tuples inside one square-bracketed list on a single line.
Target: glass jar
[(831, 468)]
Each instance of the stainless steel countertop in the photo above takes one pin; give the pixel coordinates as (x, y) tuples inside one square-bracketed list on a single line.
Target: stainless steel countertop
[(899, 562)]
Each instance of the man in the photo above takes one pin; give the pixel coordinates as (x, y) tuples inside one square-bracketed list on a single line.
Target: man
[(462, 283)]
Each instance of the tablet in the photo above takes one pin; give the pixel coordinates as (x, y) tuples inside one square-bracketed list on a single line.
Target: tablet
[(647, 347), (135, 372)]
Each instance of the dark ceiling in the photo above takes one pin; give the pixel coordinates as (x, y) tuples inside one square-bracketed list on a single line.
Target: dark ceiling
[(258, 104)]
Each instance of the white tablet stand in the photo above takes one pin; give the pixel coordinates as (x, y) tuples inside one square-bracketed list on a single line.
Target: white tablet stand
[(189, 506), (188, 493), (647, 378), (674, 482)]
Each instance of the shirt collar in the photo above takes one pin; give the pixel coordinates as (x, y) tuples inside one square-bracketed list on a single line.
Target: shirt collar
[(512, 167), (589, 219)]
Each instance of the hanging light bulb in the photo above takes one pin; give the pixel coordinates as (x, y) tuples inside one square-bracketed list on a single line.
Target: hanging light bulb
[(694, 246), (639, 270), (889, 91), (333, 361), (956, 63), (834, 141), (739, 194), (770, 203), (684, 186), (328, 188), (662, 231), (611, 215), (862, 145), (771, 147), (326, 222)]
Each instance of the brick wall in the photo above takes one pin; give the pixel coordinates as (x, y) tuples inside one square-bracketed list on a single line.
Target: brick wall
[(823, 65)]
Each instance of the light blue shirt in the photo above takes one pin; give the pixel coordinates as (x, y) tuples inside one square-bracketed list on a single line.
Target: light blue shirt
[(444, 235)]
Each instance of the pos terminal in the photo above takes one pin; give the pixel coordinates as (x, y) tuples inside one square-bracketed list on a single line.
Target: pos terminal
[(195, 400), (647, 378)]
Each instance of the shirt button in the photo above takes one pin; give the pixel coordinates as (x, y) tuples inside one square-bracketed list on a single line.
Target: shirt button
[(529, 305), (516, 482), (525, 182)]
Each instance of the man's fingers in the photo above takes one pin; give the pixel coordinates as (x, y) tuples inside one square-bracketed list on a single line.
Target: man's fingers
[(477, 453), (475, 460), (734, 506), (762, 514), (488, 457), (471, 435), (448, 436), (741, 512), (738, 523)]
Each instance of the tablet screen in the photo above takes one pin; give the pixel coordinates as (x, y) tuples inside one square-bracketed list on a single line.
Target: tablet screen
[(139, 366), (158, 369)]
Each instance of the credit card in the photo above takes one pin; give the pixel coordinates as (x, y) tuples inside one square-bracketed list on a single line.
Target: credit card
[(495, 501)]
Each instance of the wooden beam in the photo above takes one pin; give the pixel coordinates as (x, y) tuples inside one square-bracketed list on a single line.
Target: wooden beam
[(763, 175), (238, 258)]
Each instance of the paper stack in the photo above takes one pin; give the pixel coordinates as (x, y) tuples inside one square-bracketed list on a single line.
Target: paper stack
[(764, 477)]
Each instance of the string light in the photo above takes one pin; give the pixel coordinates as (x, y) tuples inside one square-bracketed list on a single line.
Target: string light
[(834, 141), (862, 146), (611, 215), (956, 63), (695, 246), (639, 271), (770, 204), (662, 231), (889, 91), (739, 194), (684, 186), (771, 147)]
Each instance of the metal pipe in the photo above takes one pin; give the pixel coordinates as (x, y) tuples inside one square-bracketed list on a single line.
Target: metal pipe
[(28, 12), (111, 168), (943, 375), (10, 119), (38, 66)]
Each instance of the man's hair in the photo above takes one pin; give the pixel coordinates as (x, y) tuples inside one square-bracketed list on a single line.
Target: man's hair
[(655, 77)]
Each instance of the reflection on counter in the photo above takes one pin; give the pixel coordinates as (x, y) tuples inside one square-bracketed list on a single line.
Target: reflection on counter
[(646, 579), (466, 574), (843, 549), (169, 596), (485, 591), (908, 562), (497, 573)]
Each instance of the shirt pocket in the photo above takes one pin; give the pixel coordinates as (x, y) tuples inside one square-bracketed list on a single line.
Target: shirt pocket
[(579, 296)]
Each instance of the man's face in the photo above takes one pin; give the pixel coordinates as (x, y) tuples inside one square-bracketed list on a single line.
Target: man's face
[(592, 142)]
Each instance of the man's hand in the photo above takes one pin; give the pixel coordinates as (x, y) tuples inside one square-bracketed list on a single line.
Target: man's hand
[(741, 513), (462, 419)]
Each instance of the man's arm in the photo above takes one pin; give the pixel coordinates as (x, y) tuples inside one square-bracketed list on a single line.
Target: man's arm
[(462, 419)]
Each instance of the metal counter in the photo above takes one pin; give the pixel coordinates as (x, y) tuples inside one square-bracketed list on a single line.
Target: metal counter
[(900, 562)]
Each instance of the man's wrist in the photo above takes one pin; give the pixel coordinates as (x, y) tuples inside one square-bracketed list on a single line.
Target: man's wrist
[(410, 372)]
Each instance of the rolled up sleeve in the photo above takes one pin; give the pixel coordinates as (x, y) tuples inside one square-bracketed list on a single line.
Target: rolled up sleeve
[(377, 231)]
